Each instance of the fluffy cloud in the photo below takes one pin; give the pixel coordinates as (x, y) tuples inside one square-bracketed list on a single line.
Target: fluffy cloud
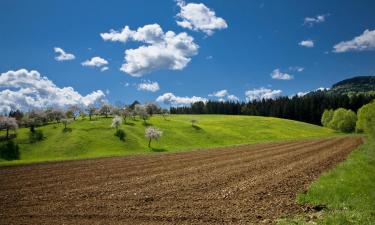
[(170, 98), (220, 94), (307, 43), (363, 42), (224, 95), (104, 68), (62, 55), (163, 50), (262, 93), (95, 62), (233, 98), (148, 86), (277, 74), (311, 21), (198, 17), (23, 89), (296, 68)]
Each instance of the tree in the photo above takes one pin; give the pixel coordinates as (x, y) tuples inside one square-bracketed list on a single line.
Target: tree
[(152, 108), (116, 122), (66, 122), (105, 110), (91, 111), (152, 133), (126, 112), (327, 117), (75, 111), (8, 123), (141, 112), (55, 114), (366, 119), (116, 111), (165, 113), (343, 120), (35, 118)]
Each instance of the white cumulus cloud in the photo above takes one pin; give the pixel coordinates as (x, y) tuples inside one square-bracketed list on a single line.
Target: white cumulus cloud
[(104, 68), (162, 50), (62, 55), (233, 98), (262, 93), (307, 43), (95, 62), (198, 17), (363, 42), (278, 75), (24, 90), (220, 94), (170, 98), (148, 86), (311, 21)]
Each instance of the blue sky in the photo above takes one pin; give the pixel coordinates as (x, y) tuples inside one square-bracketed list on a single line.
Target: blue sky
[(259, 38)]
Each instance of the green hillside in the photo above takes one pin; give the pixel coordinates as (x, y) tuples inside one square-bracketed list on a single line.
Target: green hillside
[(360, 84), (96, 138)]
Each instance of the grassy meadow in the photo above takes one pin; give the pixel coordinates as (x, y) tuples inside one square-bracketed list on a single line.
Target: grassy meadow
[(347, 192), (95, 138)]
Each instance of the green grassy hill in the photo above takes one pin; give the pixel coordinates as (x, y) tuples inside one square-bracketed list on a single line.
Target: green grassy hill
[(96, 138)]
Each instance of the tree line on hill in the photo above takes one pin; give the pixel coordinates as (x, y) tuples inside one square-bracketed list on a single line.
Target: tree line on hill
[(308, 108)]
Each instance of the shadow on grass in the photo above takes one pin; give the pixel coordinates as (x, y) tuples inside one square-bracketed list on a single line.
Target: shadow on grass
[(197, 127), (67, 130), (129, 123), (146, 124), (158, 149)]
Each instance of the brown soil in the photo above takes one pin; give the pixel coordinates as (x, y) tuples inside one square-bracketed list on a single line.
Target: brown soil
[(238, 185)]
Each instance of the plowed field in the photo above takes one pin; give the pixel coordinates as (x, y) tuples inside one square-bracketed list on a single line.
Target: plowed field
[(236, 185)]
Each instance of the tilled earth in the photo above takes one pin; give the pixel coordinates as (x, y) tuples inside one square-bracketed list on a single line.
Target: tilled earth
[(246, 184)]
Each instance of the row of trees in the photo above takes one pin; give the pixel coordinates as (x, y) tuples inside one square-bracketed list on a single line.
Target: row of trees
[(308, 108), (345, 120)]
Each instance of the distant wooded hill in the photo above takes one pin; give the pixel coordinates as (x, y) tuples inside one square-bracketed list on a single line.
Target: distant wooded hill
[(361, 84), (350, 94)]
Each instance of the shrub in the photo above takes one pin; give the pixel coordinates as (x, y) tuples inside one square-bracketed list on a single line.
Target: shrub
[(366, 119), (9, 150), (343, 120), (120, 133), (327, 117), (35, 136)]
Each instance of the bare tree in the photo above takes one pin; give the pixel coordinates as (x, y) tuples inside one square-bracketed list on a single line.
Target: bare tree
[(152, 108), (141, 112), (75, 109), (152, 133), (8, 123), (105, 110), (165, 113), (91, 111), (126, 112), (116, 122)]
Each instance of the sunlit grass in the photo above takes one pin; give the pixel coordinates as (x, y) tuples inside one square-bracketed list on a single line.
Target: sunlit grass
[(96, 138)]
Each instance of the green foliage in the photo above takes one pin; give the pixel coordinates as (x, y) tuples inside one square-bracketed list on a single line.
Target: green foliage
[(36, 136), (343, 120), (95, 138), (120, 133), (9, 150), (366, 119), (327, 117)]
